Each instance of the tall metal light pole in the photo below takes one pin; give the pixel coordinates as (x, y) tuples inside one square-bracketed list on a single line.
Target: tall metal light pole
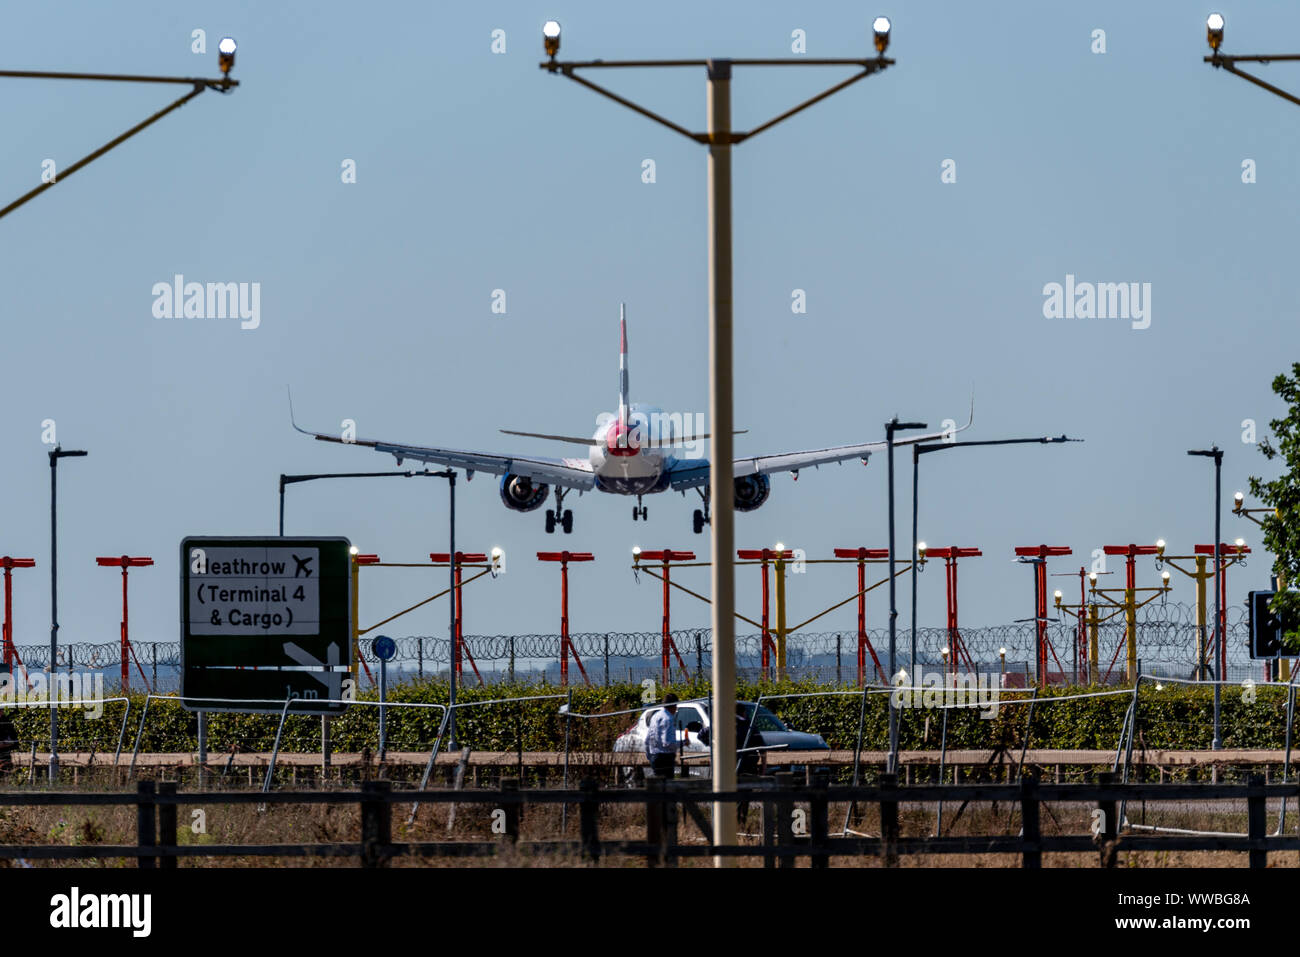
[(891, 427), (1216, 453), (921, 449), (55, 455), (719, 138)]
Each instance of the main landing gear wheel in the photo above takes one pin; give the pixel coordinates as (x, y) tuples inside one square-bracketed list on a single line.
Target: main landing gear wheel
[(567, 522), (701, 517), (550, 522)]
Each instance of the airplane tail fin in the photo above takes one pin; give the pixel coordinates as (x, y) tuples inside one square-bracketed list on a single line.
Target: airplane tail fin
[(622, 366)]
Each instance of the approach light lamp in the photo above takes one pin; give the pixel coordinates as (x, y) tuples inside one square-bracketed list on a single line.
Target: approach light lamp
[(353, 550), (920, 550), (1059, 596), (498, 556), (1160, 549), (1237, 501), (1092, 578), (1240, 542), (1002, 652), (944, 651), (780, 549), (551, 37), (880, 27), (226, 54), (1214, 30), (1164, 579)]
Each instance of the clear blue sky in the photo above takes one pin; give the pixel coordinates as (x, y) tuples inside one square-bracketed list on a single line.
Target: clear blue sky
[(477, 171)]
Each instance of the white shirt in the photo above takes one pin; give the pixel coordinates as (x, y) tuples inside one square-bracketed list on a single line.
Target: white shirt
[(662, 736)]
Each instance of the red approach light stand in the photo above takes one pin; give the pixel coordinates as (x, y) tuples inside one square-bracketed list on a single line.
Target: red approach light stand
[(7, 636), (459, 643), (864, 555), (566, 646), (770, 647), (1038, 555), (1226, 552), (666, 557), (950, 555), (126, 563)]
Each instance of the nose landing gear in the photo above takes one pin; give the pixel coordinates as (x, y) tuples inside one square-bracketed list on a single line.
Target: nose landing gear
[(639, 511)]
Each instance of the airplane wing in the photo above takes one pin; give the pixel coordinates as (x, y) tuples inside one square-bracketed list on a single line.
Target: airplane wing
[(568, 473), (695, 473)]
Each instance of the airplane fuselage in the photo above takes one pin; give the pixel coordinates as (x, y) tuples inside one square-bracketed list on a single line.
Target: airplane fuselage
[(622, 459)]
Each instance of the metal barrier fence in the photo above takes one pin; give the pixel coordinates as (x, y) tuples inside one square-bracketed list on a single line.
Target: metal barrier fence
[(157, 805), (1167, 640)]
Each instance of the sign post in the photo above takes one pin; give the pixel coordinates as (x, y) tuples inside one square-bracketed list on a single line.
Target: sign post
[(265, 619), (384, 648)]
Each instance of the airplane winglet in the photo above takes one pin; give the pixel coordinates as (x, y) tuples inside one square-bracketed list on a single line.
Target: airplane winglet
[(292, 420)]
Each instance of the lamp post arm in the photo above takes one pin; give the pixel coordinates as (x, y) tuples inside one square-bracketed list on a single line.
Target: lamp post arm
[(873, 67), (199, 87), (1227, 65), (567, 70)]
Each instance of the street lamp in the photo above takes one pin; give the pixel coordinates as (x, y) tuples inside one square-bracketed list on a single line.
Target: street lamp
[(921, 449), (1214, 30), (56, 454), (551, 38), (719, 138), (880, 27), (226, 55), (450, 476), (1216, 453)]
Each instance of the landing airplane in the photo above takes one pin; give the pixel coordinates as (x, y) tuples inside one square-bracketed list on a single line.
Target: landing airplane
[(628, 455)]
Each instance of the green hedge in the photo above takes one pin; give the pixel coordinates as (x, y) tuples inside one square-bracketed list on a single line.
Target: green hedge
[(1175, 717)]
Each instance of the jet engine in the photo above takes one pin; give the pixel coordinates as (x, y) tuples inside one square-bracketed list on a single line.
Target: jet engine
[(751, 492), (522, 494)]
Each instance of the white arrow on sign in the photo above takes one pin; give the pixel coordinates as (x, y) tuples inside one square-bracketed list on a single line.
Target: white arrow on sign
[(330, 679)]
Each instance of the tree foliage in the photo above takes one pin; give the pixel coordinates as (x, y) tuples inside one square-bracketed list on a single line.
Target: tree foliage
[(1282, 494)]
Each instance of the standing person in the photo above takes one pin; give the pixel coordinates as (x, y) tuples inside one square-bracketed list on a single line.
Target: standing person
[(746, 761), (661, 741), (8, 741)]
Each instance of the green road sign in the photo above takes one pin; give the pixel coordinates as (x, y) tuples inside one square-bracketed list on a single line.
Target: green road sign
[(264, 619)]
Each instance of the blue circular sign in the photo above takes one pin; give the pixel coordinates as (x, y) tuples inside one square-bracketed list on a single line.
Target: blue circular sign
[(384, 648)]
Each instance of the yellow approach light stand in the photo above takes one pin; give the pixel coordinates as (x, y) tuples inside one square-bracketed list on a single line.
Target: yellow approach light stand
[(1129, 605), (1089, 619), (1202, 576)]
